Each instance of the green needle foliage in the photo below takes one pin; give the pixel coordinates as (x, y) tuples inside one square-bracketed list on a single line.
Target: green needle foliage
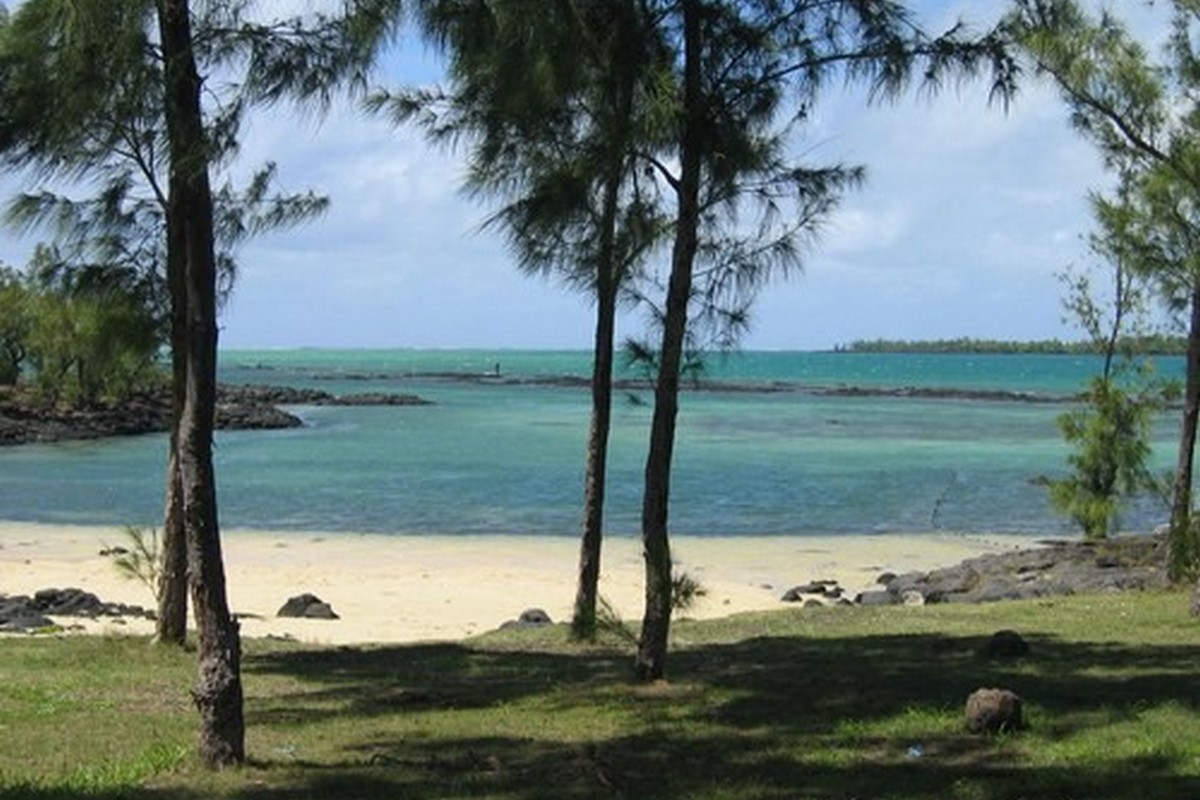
[(1110, 434), (139, 559), (1141, 113), (1109, 437)]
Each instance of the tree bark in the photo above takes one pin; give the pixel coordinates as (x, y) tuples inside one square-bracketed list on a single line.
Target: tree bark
[(1182, 549), (656, 620), (218, 691), (171, 622), (611, 268), (583, 622), (171, 625)]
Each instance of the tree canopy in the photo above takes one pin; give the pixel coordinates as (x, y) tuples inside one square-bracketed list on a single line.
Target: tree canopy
[(1143, 116)]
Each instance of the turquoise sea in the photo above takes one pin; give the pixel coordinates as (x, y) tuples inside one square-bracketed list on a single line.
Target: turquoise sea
[(763, 448)]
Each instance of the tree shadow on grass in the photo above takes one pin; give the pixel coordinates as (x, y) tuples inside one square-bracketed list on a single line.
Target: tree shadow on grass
[(662, 768), (379, 681), (797, 684), (761, 719), (787, 683), (670, 765)]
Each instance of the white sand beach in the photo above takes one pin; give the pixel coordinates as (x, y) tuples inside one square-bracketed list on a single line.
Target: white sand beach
[(416, 588)]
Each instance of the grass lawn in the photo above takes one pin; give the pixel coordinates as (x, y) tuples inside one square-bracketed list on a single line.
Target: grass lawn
[(815, 703)]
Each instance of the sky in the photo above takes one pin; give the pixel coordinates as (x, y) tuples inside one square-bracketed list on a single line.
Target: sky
[(968, 214)]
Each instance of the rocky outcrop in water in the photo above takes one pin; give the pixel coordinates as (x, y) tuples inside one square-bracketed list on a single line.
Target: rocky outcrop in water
[(23, 421)]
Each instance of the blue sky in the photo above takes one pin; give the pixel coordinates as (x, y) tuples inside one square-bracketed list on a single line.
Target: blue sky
[(967, 214)]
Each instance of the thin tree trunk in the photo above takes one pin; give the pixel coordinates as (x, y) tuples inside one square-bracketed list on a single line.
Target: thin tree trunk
[(610, 272), (656, 620), (583, 623), (1182, 550), (218, 691), (171, 625)]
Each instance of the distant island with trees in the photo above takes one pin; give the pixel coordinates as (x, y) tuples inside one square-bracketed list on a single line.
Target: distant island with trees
[(1157, 344)]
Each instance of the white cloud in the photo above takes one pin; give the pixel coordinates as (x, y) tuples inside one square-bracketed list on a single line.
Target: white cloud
[(862, 229), (967, 214)]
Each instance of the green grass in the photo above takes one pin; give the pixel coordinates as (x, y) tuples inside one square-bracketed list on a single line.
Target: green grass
[(813, 703)]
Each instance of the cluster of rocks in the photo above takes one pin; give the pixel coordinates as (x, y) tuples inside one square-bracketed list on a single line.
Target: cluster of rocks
[(816, 593), (24, 614), (291, 396), (1127, 563), (935, 393), (23, 420)]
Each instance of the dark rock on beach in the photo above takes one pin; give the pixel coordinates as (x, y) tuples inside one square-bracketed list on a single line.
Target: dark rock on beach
[(530, 618), (1126, 563), (821, 588), (877, 598), (18, 616), (307, 606), (22, 613)]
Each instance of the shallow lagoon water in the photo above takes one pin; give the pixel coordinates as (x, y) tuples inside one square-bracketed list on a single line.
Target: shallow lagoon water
[(505, 454)]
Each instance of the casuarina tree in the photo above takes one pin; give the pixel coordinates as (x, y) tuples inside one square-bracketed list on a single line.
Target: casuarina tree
[(1142, 115), (749, 73), (88, 56), (556, 103), (1109, 434)]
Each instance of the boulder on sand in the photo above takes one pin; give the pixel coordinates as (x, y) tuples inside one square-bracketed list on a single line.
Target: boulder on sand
[(307, 606)]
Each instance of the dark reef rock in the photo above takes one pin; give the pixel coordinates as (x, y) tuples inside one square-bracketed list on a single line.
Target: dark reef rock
[(877, 598), (24, 614), (307, 606), (813, 589), (23, 420), (935, 393), (254, 417), (530, 618), (377, 399), (1126, 563), (17, 616)]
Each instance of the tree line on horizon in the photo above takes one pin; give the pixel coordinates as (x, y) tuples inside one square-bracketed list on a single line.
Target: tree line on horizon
[(641, 151), (1151, 344)]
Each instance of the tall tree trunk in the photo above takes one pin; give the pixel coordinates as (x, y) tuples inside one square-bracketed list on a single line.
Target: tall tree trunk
[(610, 272), (656, 620), (218, 691), (583, 622), (1182, 549), (171, 624)]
